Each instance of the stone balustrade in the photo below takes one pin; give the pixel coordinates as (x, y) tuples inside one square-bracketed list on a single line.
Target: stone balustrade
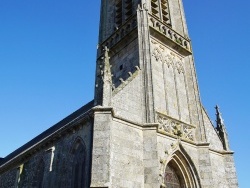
[(175, 128), (172, 35), (120, 33)]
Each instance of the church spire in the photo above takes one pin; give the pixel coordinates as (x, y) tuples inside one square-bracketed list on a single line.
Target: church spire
[(221, 128), (107, 79)]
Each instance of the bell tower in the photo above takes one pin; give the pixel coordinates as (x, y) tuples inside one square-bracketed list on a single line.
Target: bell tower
[(151, 64), (149, 122)]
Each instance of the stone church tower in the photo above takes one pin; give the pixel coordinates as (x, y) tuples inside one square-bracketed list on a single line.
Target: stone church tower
[(155, 129), (146, 127)]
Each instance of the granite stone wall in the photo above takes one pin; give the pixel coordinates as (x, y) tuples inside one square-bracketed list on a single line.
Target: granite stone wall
[(126, 161), (53, 166)]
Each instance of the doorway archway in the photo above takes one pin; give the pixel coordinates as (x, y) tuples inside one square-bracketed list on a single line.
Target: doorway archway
[(180, 171)]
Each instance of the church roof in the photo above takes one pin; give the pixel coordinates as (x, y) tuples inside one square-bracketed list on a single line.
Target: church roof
[(61, 124)]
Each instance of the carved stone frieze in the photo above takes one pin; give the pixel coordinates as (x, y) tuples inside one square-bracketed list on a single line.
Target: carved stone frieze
[(170, 59), (174, 127)]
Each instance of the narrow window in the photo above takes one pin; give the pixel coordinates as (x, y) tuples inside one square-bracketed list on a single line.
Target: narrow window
[(78, 165), (160, 9), (118, 13), (155, 8), (123, 11), (165, 11), (128, 9)]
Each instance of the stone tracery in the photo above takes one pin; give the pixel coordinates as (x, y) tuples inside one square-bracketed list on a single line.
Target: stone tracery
[(168, 59), (170, 126)]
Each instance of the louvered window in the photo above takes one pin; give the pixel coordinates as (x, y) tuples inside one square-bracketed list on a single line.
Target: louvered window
[(128, 8), (118, 13), (123, 11), (160, 9), (155, 8)]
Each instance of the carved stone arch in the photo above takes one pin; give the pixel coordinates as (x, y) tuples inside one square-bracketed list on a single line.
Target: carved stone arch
[(158, 55), (180, 167), (78, 153), (78, 140)]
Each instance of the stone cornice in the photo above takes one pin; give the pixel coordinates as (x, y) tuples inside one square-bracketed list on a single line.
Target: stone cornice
[(107, 109), (171, 37), (223, 152)]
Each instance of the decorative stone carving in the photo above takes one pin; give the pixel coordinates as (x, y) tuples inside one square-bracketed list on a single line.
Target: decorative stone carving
[(121, 32), (107, 79), (179, 67), (173, 37), (174, 127), (170, 59), (157, 54), (106, 71), (165, 159)]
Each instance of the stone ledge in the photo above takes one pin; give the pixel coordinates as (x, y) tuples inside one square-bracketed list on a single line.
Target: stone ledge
[(169, 36)]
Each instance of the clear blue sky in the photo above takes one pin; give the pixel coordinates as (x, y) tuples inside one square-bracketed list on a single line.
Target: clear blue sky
[(47, 62)]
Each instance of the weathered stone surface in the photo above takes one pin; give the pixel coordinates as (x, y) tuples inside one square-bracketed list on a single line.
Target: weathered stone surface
[(146, 127), (51, 166)]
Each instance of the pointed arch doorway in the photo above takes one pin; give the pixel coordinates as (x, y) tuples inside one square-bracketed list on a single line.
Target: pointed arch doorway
[(171, 179), (180, 171)]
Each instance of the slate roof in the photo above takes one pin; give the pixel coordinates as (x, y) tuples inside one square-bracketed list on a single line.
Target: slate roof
[(48, 132)]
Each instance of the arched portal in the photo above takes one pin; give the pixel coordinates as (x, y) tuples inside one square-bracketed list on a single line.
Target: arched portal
[(171, 179), (180, 171)]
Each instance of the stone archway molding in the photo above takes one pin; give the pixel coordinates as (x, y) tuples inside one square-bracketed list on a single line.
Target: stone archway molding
[(178, 159)]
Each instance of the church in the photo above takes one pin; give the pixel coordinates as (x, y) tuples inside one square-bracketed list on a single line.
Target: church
[(145, 127)]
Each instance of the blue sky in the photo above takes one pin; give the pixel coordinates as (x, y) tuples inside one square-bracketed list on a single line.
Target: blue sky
[(47, 62)]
